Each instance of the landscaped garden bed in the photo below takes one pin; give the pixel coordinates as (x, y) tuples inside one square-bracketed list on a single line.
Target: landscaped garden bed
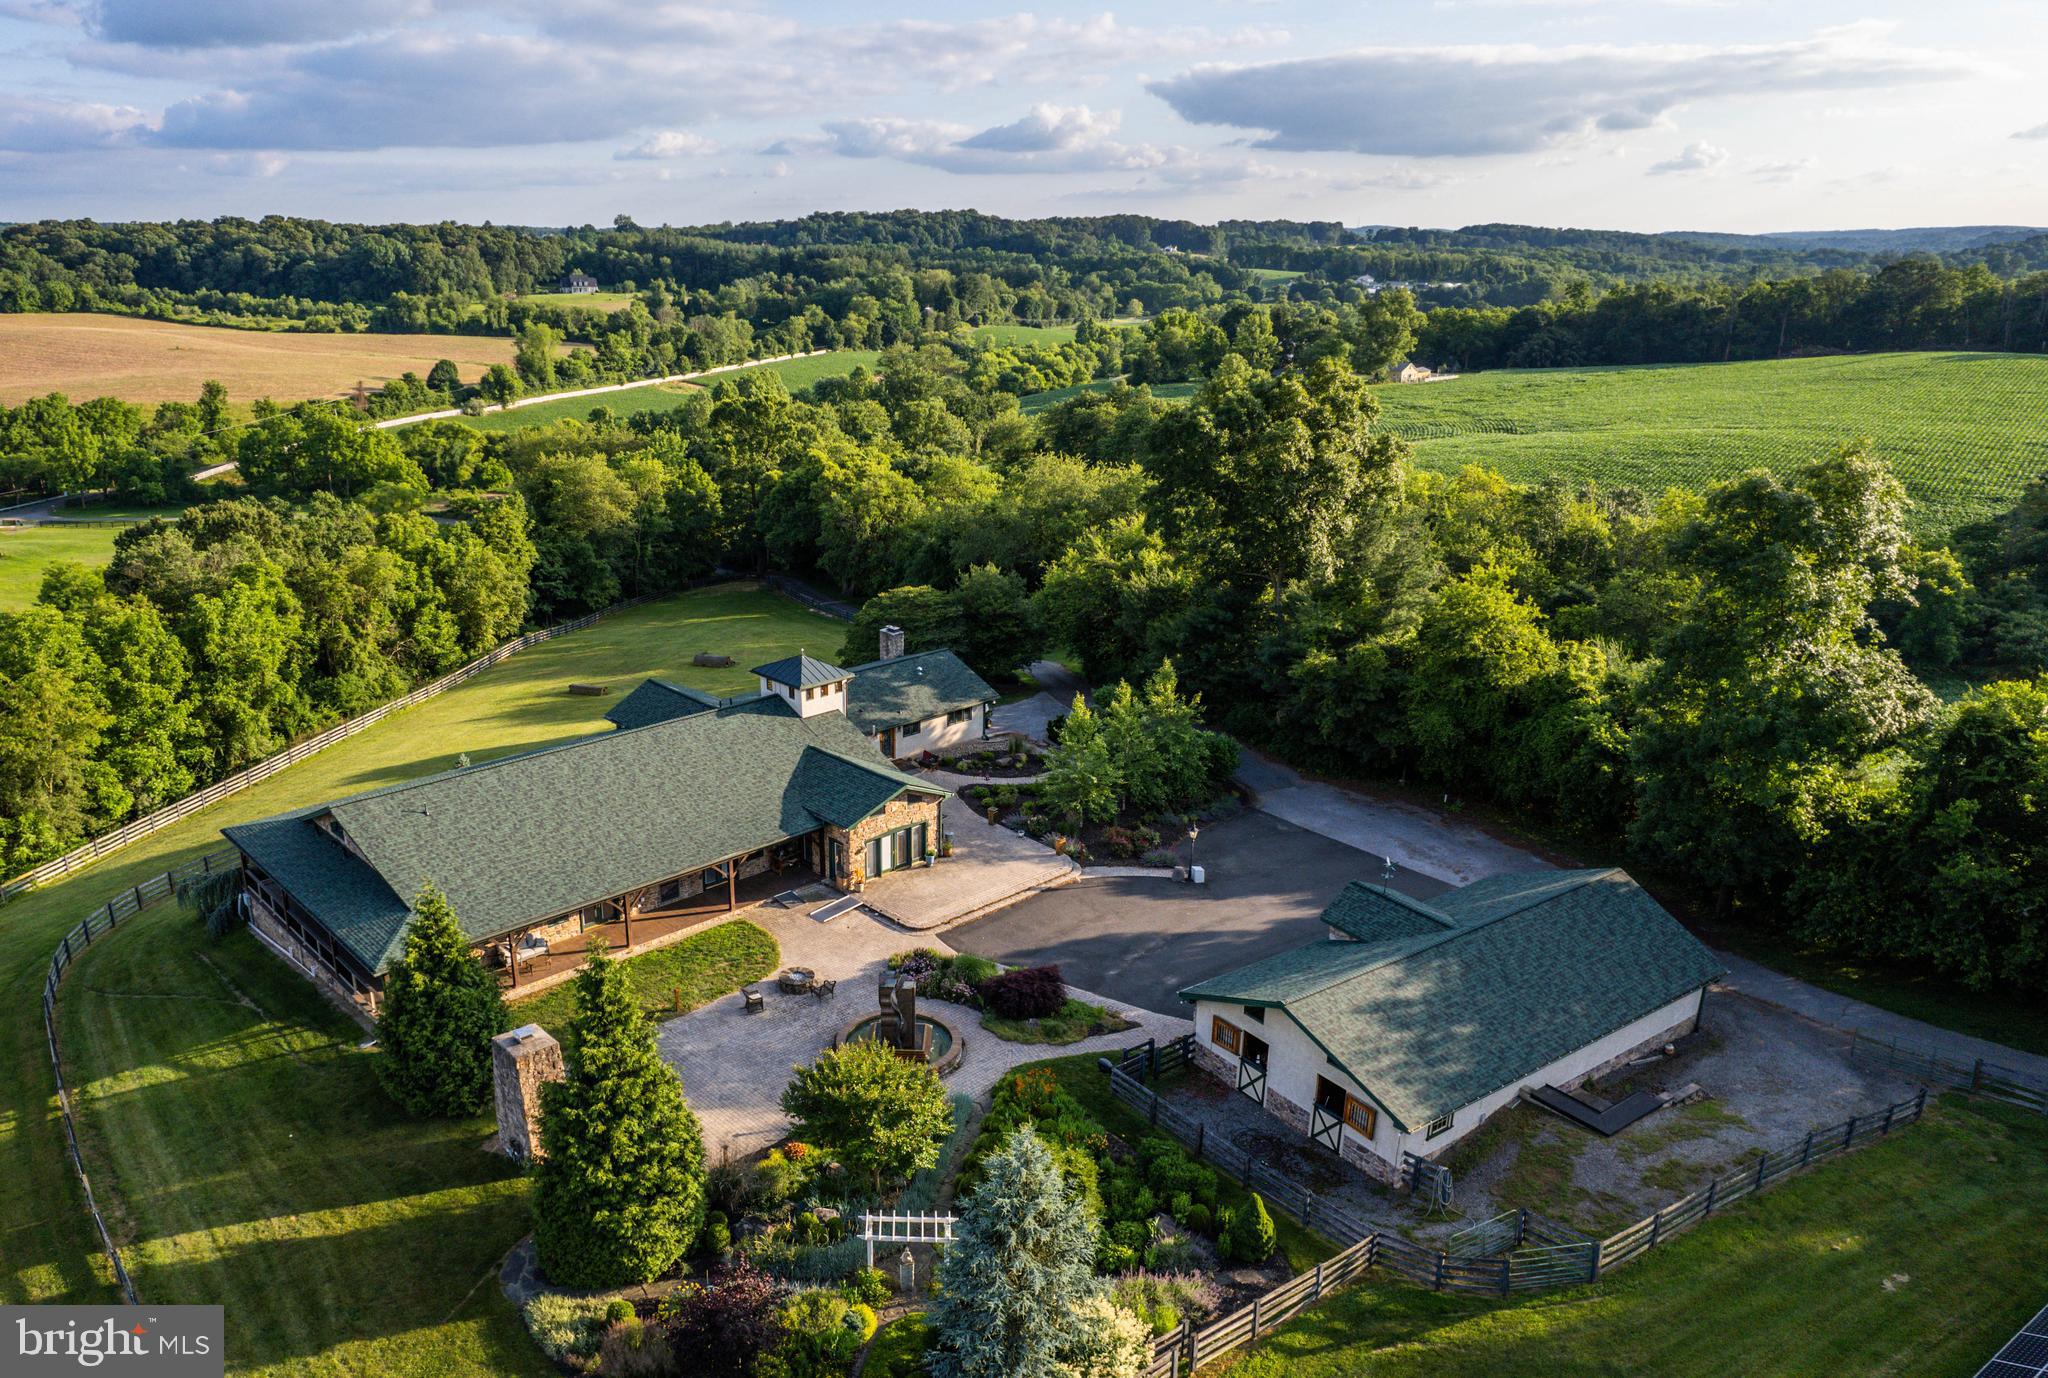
[(1012, 759), (1021, 1005)]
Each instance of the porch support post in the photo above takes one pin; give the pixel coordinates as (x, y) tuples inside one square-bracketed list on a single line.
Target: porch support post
[(732, 885), (512, 959), (626, 913)]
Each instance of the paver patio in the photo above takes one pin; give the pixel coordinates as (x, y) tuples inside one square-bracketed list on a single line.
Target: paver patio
[(989, 865), (734, 1065)]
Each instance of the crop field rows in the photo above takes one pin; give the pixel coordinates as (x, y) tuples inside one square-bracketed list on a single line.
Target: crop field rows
[(1965, 432)]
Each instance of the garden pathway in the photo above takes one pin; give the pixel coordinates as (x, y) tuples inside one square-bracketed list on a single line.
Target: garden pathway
[(734, 1065)]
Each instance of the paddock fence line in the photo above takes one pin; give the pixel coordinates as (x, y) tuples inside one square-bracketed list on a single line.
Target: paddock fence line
[(90, 852), (99, 923), (1978, 1078), (1518, 1250), (1535, 1254)]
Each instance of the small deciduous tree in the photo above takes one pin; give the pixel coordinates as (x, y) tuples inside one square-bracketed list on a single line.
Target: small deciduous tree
[(882, 1115), (619, 1196), (1020, 1269), (1083, 780), (441, 1010)]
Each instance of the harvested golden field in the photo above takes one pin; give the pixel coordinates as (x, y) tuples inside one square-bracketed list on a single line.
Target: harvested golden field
[(136, 360)]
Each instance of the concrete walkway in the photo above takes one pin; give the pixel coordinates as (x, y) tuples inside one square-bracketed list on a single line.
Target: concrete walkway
[(1843, 1012), (734, 1065), (990, 866), (1027, 717), (1418, 839)]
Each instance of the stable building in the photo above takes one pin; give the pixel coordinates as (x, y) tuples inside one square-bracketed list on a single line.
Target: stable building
[(669, 821), (1417, 1020)]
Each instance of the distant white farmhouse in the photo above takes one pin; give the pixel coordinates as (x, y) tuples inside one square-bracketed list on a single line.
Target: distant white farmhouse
[(1417, 1020)]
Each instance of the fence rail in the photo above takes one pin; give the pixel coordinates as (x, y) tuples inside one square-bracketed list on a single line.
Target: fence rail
[(1979, 1078), (80, 857), (99, 923)]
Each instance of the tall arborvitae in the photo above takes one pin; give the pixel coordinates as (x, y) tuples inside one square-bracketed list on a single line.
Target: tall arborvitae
[(619, 1192), (441, 1010)]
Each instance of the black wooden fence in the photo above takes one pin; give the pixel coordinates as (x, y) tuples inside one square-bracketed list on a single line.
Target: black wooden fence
[(100, 922), (1979, 1078)]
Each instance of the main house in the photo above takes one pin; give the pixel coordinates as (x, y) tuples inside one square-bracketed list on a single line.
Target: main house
[(690, 806), (1415, 1021)]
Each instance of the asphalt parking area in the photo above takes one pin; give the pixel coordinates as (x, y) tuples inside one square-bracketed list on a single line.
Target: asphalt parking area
[(1139, 941)]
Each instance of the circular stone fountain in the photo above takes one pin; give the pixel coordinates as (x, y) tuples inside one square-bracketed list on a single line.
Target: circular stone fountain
[(946, 1044)]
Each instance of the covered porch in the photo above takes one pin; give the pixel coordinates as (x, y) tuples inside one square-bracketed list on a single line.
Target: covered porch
[(547, 954)]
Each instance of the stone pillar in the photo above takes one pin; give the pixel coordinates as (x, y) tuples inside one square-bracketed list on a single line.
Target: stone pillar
[(520, 1062), (892, 642)]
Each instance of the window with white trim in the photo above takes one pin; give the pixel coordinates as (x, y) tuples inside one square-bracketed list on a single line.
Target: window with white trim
[(959, 715), (910, 729), (1439, 1126)]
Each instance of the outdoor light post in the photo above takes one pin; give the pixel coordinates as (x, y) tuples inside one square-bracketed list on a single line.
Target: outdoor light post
[(1194, 831)]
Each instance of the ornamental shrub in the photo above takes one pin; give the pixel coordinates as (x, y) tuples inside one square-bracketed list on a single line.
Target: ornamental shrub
[(883, 1116), (566, 1327), (618, 1310), (1108, 1341), (869, 1286), (619, 1198), (1199, 1221), (726, 1326), (441, 1010), (1251, 1237), (861, 1320), (1027, 993), (633, 1350)]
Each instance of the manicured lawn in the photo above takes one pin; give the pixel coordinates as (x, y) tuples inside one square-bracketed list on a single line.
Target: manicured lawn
[(656, 397), (47, 1252), (1915, 1258), (798, 374), (593, 301), (1039, 401), (1076, 1020), (26, 552), (1086, 1083), (675, 979), (1275, 274), (1962, 430), (248, 1156)]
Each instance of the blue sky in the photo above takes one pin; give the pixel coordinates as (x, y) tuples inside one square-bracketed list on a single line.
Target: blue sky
[(1631, 114)]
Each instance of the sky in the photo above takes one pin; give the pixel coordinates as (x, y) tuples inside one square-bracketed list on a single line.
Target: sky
[(1736, 115)]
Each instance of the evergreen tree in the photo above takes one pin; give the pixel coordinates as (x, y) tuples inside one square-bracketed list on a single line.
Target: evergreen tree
[(1251, 1238), (441, 1010), (619, 1195), (1083, 779), (1020, 1269)]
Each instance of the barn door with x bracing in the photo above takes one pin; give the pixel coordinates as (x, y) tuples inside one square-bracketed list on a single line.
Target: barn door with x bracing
[(1251, 1069), (1326, 1129)]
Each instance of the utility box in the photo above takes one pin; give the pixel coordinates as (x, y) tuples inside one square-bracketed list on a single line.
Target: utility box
[(1198, 875)]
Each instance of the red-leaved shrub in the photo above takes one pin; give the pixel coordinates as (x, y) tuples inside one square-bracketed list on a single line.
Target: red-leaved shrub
[(1027, 993)]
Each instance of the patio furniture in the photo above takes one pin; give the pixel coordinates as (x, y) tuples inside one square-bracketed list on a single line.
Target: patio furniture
[(822, 990), (754, 1003)]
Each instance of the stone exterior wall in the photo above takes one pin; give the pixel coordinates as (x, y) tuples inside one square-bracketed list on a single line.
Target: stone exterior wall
[(521, 1061), (1286, 1111), (281, 940), (897, 813)]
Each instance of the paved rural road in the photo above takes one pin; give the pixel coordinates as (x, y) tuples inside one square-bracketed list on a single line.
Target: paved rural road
[(1420, 840)]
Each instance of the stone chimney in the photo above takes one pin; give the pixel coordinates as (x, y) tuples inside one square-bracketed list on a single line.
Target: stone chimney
[(520, 1062), (892, 642)]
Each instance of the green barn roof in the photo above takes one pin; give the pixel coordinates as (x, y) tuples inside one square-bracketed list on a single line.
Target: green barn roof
[(1435, 1005), (912, 688), (522, 839)]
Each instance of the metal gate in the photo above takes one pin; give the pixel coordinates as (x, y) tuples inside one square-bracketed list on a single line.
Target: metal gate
[(1326, 1129)]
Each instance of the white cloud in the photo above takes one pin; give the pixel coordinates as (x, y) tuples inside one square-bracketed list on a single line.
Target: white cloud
[(669, 143), (1049, 138), (1021, 48), (1699, 157), (2039, 131), (231, 23), (1778, 169), (32, 124), (1478, 100)]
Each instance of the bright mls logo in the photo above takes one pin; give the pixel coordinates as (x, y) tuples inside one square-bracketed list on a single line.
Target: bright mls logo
[(164, 1341)]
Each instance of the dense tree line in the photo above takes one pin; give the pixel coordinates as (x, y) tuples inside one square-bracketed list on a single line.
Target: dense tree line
[(211, 642)]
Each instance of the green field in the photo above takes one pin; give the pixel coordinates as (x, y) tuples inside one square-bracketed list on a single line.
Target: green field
[(47, 1252), (658, 397), (1915, 1258), (26, 551), (1025, 334), (596, 301), (1964, 431), (1275, 274), (1039, 401), (798, 374)]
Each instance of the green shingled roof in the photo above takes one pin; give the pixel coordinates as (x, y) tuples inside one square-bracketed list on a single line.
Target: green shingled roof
[(1441, 1004), (657, 700), (912, 688), (800, 672), (522, 839)]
